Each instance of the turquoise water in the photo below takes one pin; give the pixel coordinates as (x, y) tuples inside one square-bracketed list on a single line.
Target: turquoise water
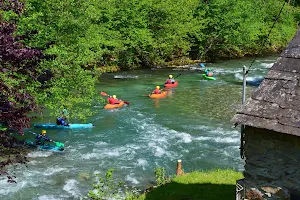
[(192, 124)]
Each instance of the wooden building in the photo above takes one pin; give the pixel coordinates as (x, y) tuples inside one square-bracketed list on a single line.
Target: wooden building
[(271, 137)]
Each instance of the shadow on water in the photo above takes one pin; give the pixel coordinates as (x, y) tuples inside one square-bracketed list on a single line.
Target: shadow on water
[(179, 191)]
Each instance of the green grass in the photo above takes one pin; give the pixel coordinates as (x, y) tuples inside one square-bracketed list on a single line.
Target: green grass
[(210, 185)]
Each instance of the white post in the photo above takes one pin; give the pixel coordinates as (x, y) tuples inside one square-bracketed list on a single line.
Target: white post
[(244, 85)]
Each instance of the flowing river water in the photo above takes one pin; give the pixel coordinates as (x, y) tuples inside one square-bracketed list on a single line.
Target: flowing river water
[(191, 124)]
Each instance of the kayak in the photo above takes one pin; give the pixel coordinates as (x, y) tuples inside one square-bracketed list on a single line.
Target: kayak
[(61, 126), (112, 106), (158, 96), (208, 77), (48, 147), (172, 85)]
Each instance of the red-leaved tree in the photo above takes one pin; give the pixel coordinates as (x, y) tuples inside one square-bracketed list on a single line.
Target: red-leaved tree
[(19, 75)]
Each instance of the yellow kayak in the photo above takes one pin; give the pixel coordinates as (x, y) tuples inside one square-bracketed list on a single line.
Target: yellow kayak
[(112, 106), (158, 96)]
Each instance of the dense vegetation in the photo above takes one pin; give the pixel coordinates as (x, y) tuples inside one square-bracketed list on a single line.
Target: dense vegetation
[(52, 51), (131, 33)]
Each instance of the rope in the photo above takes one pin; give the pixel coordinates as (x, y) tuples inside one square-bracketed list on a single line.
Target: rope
[(266, 38)]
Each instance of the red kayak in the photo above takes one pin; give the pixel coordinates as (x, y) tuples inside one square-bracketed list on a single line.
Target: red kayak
[(171, 85)]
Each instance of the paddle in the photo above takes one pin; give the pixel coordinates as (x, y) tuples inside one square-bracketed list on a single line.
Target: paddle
[(177, 75), (173, 78), (59, 144), (105, 94)]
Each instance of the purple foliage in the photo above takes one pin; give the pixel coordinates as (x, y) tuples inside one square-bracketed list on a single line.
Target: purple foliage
[(15, 102), (14, 5)]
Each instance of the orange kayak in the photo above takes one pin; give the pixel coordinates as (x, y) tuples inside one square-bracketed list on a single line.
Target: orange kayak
[(158, 96), (112, 106), (172, 85)]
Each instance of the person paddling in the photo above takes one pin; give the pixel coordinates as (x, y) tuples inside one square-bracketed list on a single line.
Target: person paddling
[(63, 119), (170, 80), (208, 72), (157, 90), (113, 100), (42, 138)]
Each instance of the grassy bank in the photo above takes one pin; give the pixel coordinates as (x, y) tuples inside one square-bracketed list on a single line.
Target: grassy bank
[(210, 185)]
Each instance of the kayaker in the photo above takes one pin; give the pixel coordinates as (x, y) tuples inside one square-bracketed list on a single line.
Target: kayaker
[(170, 80), (208, 72), (61, 121), (42, 138), (157, 90), (113, 100)]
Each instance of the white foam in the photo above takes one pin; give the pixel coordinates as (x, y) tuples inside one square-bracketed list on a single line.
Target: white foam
[(185, 137), (227, 71), (267, 65), (248, 78), (48, 197), (71, 187), (157, 150), (100, 143), (6, 188), (38, 154), (142, 162), (90, 155), (226, 140), (51, 171), (131, 179)]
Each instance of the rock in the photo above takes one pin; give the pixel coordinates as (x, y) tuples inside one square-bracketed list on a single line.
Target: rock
[(83, 176)]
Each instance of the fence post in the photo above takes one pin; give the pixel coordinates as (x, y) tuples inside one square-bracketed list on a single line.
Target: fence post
[(179, 170)]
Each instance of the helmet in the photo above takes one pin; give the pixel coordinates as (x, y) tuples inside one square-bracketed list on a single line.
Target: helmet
[(157, 87), (170, 76), (114, 96), (43, 132), (209, 69)]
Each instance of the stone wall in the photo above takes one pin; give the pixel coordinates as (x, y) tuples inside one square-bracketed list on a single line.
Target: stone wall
[(272, 164)]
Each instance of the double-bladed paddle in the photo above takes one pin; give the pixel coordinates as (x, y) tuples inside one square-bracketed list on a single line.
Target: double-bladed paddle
[(105, 94), (59, 144)]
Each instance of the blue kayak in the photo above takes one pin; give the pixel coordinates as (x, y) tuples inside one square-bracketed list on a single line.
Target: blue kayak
[(61, 126), (48, 147)]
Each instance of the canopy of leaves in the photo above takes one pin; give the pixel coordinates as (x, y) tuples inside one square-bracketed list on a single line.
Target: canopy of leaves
[(133, 33)]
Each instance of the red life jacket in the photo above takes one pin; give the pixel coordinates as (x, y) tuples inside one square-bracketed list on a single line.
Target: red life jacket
[(113, 101), (156, 91), (210, 74), (168, 81)]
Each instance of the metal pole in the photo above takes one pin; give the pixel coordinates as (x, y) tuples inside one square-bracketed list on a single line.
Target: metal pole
[(244, 85), (242, 126)]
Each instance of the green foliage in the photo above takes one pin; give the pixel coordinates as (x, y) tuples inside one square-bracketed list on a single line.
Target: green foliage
[(108, 188), (131, 33), (160, 176)]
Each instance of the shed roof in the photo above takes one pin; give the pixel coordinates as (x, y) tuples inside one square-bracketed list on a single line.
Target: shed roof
[(275, 104)]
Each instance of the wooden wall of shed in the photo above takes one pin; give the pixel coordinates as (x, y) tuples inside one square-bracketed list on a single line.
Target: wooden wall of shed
[(272, 160)]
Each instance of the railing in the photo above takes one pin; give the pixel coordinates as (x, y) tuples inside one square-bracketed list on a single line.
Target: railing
[(240, 190)]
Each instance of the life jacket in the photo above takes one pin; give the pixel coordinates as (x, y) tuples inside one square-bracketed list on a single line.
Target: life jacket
[(209, 74), (41, 139), (60, 121), (156, 91), (113, 101), (168, 81)]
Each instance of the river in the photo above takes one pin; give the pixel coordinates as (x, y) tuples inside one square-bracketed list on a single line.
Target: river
[(191, 124)]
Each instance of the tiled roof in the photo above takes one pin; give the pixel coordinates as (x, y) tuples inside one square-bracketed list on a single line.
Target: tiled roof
[(275, 104)]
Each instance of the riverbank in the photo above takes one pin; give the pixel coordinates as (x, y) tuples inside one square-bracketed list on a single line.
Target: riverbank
[(208, 185), (13, 153)]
